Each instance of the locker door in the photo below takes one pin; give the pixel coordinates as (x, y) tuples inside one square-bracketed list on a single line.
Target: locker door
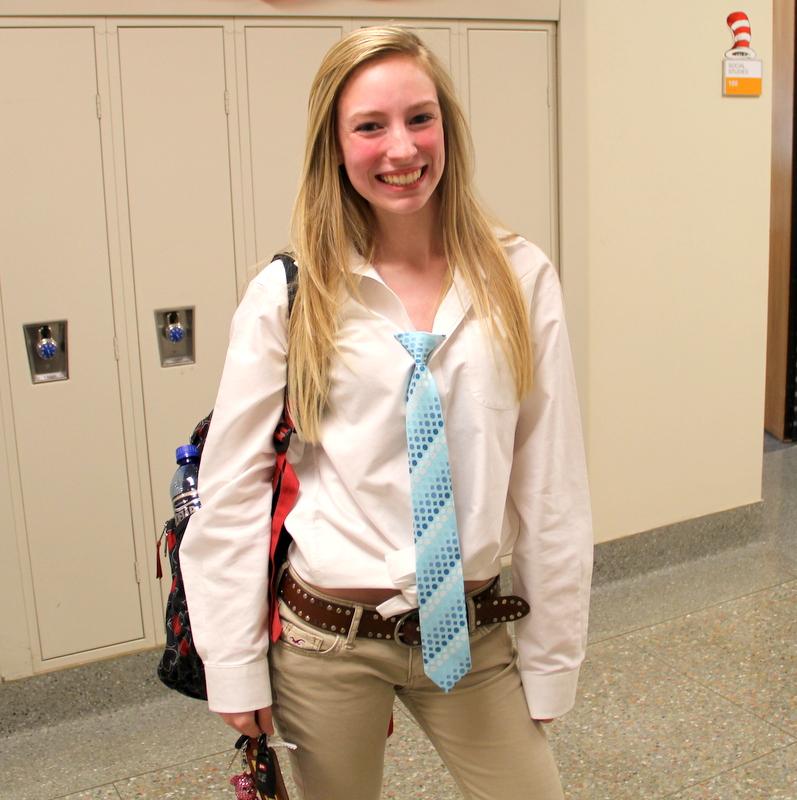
[(435, 35), (438, 40), (78, 546), (177, 161), (512, 120), (280, 65)]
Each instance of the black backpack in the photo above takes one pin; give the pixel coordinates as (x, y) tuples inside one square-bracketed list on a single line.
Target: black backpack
[(180, 666)]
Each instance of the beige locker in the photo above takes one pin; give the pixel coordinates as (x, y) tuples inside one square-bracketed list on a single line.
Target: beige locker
[(175, 104), (437, 35), (280, 62), (75, 533), (438, 38), (511, 106)]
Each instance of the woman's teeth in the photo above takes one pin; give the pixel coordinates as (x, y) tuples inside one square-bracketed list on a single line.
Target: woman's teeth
[(402, 180)]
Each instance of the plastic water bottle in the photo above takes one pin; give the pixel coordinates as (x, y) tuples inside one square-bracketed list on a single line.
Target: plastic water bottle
[(184, 491)]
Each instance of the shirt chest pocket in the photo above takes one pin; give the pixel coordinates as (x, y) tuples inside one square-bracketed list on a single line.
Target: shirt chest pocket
[(489, 375)]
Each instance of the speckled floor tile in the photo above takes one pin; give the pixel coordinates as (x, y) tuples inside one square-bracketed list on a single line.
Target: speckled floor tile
[(100, 793), (104, 747), (205, 778), (745, 649), (640, 729), (780, 502), (67, 694), (412, 770), (773, 777), (623, 606), (208, 778)]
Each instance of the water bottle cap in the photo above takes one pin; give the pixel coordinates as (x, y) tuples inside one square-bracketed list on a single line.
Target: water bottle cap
[(185, 452)]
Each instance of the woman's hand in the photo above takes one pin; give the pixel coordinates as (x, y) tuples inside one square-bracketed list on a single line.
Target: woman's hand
[(250, 723)]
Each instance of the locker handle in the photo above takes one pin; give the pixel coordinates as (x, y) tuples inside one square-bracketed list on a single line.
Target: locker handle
[(175, 335), (46, 345)]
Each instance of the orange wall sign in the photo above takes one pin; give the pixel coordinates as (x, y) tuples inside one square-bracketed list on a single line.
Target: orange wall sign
[(742, 72), (742, 77)]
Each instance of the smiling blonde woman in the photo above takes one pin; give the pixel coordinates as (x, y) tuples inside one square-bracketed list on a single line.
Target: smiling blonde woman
[(429, 375)]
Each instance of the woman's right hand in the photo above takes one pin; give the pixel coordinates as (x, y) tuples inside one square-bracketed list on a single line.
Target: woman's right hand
[(250, 723)]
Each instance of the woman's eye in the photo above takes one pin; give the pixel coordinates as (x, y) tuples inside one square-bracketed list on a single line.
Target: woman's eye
[(420, 119), (367, 127)]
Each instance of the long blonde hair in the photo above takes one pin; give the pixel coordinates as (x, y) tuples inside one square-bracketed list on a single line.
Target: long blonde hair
[(330, 217)]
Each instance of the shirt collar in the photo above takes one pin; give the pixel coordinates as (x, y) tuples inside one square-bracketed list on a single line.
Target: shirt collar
[(453, 307), (360, 266)]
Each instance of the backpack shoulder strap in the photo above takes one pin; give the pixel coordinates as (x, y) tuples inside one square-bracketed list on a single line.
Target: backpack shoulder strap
[(201, 433), (284, 430), (291, 277)]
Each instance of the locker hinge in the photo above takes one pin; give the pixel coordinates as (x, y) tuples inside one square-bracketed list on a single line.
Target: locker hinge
[(139, 579), (115, 348), (226, 102), (99, 107)]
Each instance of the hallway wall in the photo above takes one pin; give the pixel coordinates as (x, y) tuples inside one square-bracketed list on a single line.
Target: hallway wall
[(677, 198)]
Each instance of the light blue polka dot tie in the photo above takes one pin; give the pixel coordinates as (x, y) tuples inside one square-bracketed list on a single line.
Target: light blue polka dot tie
[(438, 565)]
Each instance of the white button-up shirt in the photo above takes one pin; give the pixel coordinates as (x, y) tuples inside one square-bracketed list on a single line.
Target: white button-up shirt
[(518, 472)]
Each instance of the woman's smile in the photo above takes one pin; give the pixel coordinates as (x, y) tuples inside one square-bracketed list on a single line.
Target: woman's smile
[(407, 178)]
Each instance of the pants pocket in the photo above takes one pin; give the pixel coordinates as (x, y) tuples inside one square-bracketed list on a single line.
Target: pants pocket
[(300, 637)]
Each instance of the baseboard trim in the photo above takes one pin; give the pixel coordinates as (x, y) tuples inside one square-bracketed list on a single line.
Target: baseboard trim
[(674, 544)]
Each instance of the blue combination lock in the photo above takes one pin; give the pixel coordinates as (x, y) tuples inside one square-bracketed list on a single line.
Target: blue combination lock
[(175, 332), (46, 347)]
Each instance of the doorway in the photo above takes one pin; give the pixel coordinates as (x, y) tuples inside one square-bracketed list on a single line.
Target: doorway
[(780, 408)]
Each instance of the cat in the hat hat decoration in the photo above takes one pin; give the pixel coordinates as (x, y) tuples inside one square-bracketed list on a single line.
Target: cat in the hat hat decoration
[(739, 23)]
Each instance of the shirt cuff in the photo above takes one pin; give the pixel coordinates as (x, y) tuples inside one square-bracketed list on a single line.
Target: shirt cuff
[(242, 687), (549, 696)]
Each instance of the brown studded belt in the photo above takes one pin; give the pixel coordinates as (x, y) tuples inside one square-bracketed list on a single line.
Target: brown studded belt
[(485, 606)]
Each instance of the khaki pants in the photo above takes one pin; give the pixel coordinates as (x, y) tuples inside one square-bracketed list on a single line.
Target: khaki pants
[(333, 697)]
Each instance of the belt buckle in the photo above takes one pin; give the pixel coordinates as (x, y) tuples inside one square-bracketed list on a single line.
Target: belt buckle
[(397, 631)]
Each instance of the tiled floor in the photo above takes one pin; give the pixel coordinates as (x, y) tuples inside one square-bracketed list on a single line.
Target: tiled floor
[(689, 692)]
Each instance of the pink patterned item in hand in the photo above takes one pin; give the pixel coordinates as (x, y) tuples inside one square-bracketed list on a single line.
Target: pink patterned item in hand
[(244, 787)]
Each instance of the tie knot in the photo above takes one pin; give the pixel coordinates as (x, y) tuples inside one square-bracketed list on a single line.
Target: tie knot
[(420, 344)]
